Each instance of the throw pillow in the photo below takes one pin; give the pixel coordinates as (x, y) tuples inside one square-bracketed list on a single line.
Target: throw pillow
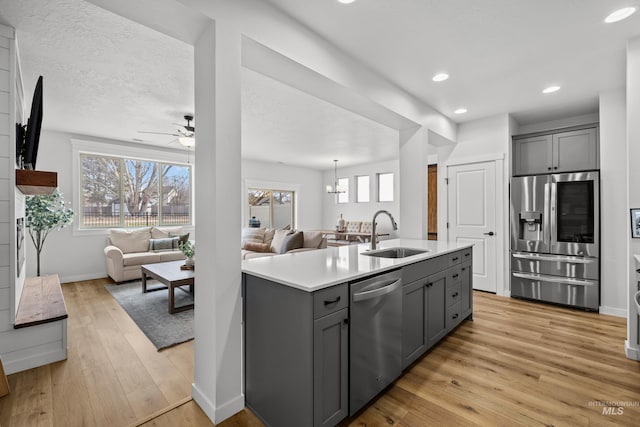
[(129, 241), (257, 247), (163, 245), (292, 241), (312, 239), (253, 235), (268, 235), (164, 232), (277, 242), (184, 238)]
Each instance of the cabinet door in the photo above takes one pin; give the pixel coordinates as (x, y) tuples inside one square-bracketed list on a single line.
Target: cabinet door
[(436, 307), (413, 321), (466, 287), (575, 151), (532, 155), (330, 368)]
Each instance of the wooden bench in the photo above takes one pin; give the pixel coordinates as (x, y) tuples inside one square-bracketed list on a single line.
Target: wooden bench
[(41, 302)]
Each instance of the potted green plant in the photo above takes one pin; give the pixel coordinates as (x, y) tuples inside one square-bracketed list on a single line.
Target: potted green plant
[(44, 214), (189, 250)]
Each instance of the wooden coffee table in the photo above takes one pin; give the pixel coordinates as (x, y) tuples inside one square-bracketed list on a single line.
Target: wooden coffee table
[(170, 275)]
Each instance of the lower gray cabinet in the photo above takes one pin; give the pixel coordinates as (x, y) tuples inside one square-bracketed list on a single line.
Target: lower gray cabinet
[(436, 308), (414, 323), (331, 368), (466, 272), (296, 346)]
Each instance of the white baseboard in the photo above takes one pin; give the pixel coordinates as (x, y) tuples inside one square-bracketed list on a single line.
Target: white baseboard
[(34, 361), (632, 353), (221, 413), (613, 311), (81, 277)]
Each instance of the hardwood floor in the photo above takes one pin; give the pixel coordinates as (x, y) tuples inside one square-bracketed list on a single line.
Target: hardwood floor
[(517, 363)]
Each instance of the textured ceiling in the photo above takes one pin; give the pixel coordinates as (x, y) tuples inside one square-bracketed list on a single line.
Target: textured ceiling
[(103, 74), (500, 54), (109, 77)]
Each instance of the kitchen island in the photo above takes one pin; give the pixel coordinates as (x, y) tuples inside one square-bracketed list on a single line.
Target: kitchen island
[(325, 331)]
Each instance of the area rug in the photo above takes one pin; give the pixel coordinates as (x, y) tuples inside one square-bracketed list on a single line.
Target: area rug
[(151, 313)]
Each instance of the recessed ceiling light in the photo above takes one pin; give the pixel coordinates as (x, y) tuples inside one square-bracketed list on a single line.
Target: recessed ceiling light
[(346, 1), (440, 77), (551, 89), (460, 111), (620, 14)]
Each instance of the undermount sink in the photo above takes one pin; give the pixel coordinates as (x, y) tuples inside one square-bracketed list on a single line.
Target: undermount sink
[(395, 252)]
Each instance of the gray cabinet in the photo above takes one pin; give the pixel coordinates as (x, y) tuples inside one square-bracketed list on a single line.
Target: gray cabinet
[(330, 368), (296, 353), (435, 302), (555, 152)]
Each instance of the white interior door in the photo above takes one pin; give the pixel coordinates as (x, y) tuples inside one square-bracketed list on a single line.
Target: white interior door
[(472, 217)]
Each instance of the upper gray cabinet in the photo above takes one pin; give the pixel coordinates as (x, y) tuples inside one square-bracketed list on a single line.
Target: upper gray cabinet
[(567, 151)]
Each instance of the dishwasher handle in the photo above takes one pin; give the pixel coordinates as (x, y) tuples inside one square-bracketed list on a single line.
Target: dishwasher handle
[(385, 287)]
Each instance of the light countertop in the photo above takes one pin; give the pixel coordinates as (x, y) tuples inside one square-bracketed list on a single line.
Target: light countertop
[(313, 270)]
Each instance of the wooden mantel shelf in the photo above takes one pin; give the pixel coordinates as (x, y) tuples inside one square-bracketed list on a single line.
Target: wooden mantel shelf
[(36, 183), (41, 302)]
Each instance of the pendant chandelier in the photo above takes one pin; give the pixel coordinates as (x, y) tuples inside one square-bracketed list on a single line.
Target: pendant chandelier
[(336, 189)]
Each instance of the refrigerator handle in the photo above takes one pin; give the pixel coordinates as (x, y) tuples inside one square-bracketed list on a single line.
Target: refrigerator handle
[(553, 216), (546, 235)]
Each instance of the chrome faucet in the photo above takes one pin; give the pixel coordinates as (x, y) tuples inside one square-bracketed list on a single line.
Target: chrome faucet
[(373, 227)]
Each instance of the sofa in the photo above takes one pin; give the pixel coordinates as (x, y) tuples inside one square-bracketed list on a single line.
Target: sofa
[(128, 249), (266, 242)]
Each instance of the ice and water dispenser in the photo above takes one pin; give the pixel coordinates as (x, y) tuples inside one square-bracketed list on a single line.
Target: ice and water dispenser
[(530, 226)]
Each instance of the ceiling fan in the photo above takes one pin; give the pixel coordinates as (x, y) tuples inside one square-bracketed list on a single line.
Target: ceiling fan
[(185, 135)]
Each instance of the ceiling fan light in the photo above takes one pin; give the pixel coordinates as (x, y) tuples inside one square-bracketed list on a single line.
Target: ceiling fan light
[(187, 141)]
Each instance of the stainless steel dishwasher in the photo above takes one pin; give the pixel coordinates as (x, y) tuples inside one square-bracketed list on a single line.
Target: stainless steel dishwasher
[(375, 336)]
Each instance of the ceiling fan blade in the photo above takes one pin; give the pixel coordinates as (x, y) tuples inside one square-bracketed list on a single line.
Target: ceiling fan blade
[(158, 133)]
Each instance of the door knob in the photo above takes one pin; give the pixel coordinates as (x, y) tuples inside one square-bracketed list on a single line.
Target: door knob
[(491, 233)]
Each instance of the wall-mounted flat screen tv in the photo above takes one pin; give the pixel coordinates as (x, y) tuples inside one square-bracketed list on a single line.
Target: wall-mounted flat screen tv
[(27, 140)]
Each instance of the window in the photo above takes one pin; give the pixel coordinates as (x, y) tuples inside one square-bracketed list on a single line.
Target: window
[(362, 189), (123, 192), (343, 184), (385, 187), (273, 208)]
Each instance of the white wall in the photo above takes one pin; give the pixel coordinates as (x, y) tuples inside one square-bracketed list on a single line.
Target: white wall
[(632, 346), (614, 224), (353, 211), (308, 185), (478, 140)]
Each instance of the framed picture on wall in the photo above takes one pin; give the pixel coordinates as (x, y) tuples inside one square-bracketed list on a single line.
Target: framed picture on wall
[(635, 223)]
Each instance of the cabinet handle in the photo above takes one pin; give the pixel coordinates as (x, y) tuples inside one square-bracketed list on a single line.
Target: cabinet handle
[(346, 321), (326, 302), (555, 167), (455, 275), (549, 168), (454, 259), (455, 294), (464, 269), (467, 254), (455, 316)]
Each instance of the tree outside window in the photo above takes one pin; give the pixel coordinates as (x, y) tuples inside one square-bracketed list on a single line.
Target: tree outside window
[(119, 192)]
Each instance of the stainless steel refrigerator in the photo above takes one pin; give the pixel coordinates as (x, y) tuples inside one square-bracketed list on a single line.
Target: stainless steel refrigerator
[(555, 238)]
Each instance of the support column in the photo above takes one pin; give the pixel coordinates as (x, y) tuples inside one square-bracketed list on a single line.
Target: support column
[(414, 163), (218, 357), (632, 345)]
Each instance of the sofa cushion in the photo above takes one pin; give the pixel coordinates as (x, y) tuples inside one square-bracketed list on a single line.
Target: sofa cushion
[(292, 241), (253, 235), (366, 227), (268, 235), (312, 239), (171, 256), (252, 255), (139, 258), (130, 241), (257, 247), (163, 245), (164, 232)]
